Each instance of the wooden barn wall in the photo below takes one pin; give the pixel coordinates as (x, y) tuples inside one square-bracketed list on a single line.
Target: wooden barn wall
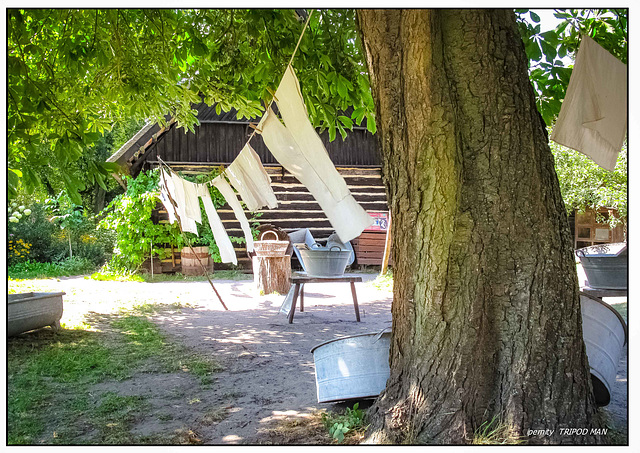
[(221, 143), (296, 206)]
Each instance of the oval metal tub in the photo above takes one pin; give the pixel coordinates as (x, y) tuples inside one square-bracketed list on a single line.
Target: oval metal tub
[(352, 367), (29, 311), (605, 334), (324, 262)]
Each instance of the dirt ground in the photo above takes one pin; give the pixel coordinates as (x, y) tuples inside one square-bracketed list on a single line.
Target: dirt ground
[(268, 378)]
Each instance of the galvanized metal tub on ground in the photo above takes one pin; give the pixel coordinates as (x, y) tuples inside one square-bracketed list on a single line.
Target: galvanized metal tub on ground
[(352, 367), (29, 311), (605, 334), (605, 265)]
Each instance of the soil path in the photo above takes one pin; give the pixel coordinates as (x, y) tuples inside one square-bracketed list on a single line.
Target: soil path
[(268, 372)]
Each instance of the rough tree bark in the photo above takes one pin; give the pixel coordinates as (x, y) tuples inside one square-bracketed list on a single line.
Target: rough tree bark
[(486, 315)]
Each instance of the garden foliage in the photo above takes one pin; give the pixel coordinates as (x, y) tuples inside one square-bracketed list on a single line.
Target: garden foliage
[(130, 217), (584, 184)]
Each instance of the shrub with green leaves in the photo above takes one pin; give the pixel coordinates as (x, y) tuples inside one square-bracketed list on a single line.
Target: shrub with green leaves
[(129, 216), (584, 184), (66, 268), (350, 421), (45, 241)]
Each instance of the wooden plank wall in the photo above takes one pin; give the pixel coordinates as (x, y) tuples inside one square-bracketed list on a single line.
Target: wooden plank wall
[(221, 142), (296, 206)]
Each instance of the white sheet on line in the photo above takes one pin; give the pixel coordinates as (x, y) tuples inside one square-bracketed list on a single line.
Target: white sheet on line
[(294, 114), (164, 196), (178, 195), (227, 254), (191, 202), (345, 215), (250, 179), (593, 117), (229, 195)]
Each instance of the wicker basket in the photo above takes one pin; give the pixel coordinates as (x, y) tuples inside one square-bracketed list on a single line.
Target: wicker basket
[(270, 248)]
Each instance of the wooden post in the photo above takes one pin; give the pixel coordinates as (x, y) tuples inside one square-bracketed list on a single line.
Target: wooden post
[(387, 249), (272, 273)]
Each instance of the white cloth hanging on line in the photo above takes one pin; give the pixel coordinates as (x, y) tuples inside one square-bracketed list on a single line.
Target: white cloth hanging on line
[(593, 116), (294, 114), (175, 188), (227, 253), (164, 196), (220, 183), (186, 196), (299, 149), (346, 216), (250, 179)]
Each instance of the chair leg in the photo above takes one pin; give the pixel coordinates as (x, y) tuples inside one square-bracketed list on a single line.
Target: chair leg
[(302, 297)]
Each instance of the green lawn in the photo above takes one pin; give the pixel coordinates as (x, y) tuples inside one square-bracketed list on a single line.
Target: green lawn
[(50, 376)]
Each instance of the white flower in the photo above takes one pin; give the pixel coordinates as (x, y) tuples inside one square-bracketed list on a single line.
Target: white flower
[(27, 211), (14, 205), (13, 220), (17, 215), (21, 207)]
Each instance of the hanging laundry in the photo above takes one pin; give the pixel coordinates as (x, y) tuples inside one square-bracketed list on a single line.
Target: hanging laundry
[(187, 196), (191, 202), (299, 149), (295, 117), (346, 216), (227, 254), (250, 179), (164, 197), (174, 187), (229, 195), (593, 116)]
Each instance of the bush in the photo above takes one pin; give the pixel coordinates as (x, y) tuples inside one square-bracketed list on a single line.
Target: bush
[(46, 243), (37, 237), (128, 217), (66, 268)]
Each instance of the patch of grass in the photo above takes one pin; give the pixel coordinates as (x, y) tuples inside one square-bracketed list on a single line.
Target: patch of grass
[(114, 417), (50, 375), (231, 274), (202, 367), (214, 416), (495, 432), (154, 308), (304, 430), (65, 268), (26, 286), (383, 282), (352, 421), (104, 275)]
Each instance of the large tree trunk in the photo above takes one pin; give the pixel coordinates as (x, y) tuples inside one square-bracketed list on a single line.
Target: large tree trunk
[(486, 315)]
